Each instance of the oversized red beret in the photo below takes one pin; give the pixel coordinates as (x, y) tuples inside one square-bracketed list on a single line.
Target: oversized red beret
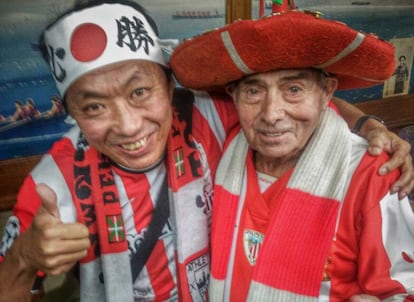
[(287, 40)]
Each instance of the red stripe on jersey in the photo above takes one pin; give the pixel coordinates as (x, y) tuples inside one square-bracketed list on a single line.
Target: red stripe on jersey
[(161, 278), (138, 191), (222, 238)]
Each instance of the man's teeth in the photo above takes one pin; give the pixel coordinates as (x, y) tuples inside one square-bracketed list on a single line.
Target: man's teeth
[(273, 134), (136, 145)]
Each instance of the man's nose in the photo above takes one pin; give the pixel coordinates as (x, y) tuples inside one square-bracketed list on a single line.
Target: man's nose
[(273, 107), (127, 120)]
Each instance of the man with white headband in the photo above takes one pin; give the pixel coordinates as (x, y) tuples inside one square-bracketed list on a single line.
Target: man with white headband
[(127, 192)]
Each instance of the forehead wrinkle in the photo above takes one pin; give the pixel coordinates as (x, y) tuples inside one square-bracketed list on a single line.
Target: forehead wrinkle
[(123, 76), (282, 76), (299, 75)]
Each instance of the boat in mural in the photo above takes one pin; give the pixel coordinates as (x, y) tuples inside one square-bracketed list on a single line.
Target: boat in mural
[(197, 14), (30, 137), (361, 3)]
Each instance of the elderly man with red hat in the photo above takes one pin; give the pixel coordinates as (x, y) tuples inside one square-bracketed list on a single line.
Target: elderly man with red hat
[(299, 211), (126, 194)]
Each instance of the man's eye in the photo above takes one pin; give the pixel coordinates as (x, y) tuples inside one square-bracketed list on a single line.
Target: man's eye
[(252, 91), (294, 89), (91, 108), (140, 91)]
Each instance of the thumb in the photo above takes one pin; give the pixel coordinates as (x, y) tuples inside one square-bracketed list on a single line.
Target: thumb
[(49, 200)]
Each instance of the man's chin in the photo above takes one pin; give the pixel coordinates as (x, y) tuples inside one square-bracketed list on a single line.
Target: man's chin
[(140, 165)]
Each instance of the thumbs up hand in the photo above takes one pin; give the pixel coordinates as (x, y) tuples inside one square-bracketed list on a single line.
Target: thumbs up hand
[(51, 245)]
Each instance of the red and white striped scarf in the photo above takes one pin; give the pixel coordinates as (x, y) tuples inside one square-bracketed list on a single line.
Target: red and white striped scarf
[(106, 270), (292, 257)]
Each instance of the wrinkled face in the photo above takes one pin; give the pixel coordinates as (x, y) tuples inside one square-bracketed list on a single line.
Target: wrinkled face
[(124, 110), (280, 110)]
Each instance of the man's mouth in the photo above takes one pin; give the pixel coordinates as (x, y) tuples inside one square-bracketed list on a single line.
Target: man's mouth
[(135, 146), (273, 134)]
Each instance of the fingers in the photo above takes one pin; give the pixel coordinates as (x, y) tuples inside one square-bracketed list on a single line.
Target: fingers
[(61, 264), (61, 258), (56, 248), (52, 246), (399, 149), (399, 159), (376, 146), (405, 184), (379, 140), (66, 231)]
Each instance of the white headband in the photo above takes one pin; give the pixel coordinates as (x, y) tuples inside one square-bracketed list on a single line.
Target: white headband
[(97, 36)]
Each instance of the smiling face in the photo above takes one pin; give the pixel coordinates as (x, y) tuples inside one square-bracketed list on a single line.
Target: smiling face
[(278, 112), (124, 111)]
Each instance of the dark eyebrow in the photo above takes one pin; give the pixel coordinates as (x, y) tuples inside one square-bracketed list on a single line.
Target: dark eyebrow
[(91, 94), (250, 81), (86, 93)]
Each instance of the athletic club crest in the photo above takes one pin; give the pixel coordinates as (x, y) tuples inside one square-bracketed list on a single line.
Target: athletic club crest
[(198, 275), (252, 241)]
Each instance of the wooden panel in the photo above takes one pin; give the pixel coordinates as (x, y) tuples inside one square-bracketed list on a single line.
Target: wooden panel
[(396, 111), (12, 174), (238, 9)]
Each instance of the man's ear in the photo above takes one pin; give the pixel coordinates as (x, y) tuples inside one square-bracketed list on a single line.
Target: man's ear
[(230, 88), (331, 84), (171, 86)]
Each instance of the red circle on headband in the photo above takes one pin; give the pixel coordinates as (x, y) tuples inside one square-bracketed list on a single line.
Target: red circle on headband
[(88, 42)]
